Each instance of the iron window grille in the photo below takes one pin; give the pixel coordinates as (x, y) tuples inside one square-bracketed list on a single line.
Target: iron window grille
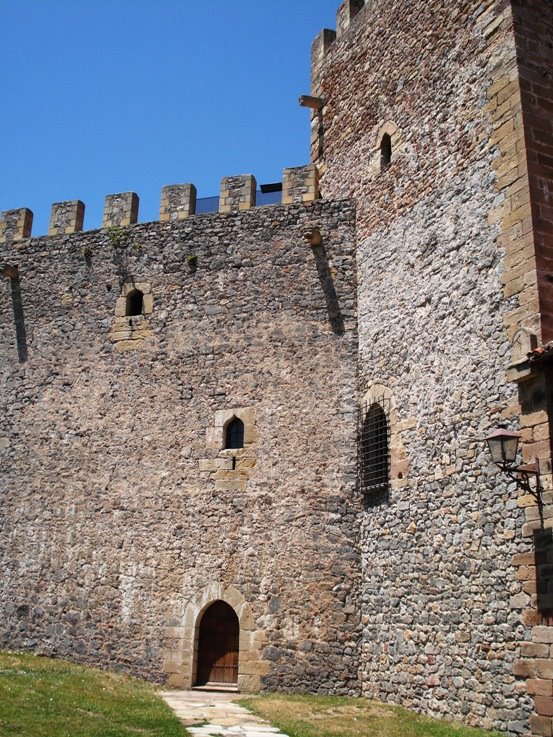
[(374, 449)]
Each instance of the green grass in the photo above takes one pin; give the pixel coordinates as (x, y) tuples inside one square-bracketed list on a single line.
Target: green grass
[(337, 716), (40, 697)]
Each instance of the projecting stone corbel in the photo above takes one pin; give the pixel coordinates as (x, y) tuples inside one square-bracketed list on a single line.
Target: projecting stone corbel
[(8, 270), (313, 236)]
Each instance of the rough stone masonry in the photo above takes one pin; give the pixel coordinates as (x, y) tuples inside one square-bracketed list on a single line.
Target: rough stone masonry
[(418, 285)]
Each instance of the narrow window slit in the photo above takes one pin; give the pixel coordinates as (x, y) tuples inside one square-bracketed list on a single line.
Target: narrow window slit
[(385, 152), (135, 303), (234, 435)]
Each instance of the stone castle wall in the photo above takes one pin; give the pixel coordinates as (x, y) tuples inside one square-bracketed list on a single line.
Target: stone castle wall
[(120, 510), (442, 294), (124, 517)]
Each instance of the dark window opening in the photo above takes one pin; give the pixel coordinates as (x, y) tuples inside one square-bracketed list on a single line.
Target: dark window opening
[(234, 436), (385, 152), (135, 303), (374, 459)]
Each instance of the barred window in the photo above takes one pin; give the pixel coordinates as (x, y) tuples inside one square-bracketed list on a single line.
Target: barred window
[(234, 435), (135, 303), (374, 474)]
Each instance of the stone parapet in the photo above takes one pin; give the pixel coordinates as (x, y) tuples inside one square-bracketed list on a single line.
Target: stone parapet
[(16, 225), (300, 184), (120, 209), (178, 201), (237, 193), (66, 217), (319, 49), (346, 12)]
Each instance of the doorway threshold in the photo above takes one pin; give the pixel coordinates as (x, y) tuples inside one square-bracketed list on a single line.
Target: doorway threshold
[(224, 687)]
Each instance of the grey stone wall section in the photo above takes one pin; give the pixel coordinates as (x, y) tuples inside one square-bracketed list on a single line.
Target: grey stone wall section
[(110, 527), (442, 605), (300, 184)]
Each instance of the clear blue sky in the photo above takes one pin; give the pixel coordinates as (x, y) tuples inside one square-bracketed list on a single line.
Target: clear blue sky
[(105, 96)]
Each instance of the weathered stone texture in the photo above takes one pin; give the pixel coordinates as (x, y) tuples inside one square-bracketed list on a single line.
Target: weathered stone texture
[(178, 201), (301, 184), (15, 225), (125, 515), (111, 525), (237, 193), (440, 230), (120, 209), (66, 217)]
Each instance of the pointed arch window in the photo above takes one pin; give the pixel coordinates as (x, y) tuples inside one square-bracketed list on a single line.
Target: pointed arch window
[(374, 452), (234, 434), (135, 303)]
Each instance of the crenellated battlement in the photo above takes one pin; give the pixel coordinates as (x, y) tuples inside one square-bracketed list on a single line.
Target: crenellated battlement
[(178, 202), (326, 38)]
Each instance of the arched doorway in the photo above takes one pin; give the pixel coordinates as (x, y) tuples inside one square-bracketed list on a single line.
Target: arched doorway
[(218, 645)]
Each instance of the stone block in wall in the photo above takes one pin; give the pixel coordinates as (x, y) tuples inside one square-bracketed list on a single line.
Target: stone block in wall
[(300, 184), (66, 217), (544, 705), (120, 209), (540, 686), (16, 225), (541, 725), (178, 201), (237, 193)]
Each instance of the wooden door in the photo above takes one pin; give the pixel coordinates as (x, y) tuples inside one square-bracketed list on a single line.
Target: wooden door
[(218, 645)]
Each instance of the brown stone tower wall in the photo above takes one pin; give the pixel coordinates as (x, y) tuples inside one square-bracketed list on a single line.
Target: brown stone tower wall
[(123, 517)]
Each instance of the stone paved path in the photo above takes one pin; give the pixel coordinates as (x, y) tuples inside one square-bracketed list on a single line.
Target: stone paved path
[(214, 713)]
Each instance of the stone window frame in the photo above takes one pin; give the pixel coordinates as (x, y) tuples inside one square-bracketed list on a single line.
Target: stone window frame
[(216, 435), (230, 468), (147, 299), (392, 130), (128, 331), (381, 394)]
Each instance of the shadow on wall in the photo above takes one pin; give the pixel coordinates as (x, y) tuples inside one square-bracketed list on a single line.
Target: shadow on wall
[(20, 332), (325, 277), (543, 547)]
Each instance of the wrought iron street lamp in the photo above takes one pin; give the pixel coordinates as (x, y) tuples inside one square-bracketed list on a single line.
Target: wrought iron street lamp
[(503, 446)]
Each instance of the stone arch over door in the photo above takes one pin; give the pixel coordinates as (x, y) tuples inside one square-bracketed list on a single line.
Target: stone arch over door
[(182, 653)]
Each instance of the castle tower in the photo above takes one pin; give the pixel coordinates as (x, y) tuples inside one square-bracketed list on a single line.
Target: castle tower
[(436, 118)]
